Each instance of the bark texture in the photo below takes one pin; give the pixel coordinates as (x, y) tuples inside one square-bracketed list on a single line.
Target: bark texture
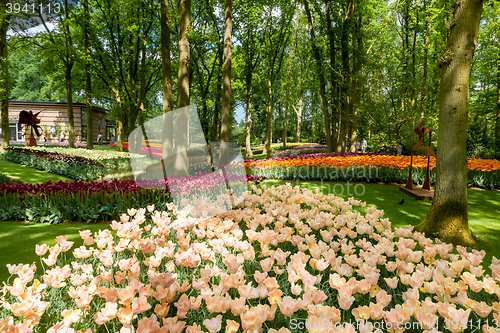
[(166, 67), (88, 82), (226, 86), (447, 217), (181, 124)]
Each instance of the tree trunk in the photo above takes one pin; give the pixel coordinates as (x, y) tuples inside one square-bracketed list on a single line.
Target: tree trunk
[(248, 79), (447, 217), (121, 120), (88, 82), (321, 78), (4, 76), (299, 116), (357, 84), (346, 78), (333, 81), (69, 96), (269, 112), (215, 134), (497, 122), (181, 125), (425, 65), (226, 87), (168, 99), (70, 60)]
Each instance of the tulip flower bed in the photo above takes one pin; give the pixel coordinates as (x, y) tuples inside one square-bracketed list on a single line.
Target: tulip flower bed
[(48, 144), (88, 201), (284, 259), (370, 167), (308, 149), (76, 167)]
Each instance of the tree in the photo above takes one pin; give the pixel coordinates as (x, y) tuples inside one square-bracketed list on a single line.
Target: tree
[(226, 86), (321, 77), (4, 75), (168, 100), (447, 217), (181, 123), (88, 85)]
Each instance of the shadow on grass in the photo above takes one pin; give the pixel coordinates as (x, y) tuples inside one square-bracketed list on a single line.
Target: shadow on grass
[(19, 240), (29, 175)]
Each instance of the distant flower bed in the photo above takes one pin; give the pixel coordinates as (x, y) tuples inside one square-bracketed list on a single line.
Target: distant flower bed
[(49, 143), (155, 149), (367, 167), (309, 149), (104, 157), (284, 260), (92, 201), (75, 167)]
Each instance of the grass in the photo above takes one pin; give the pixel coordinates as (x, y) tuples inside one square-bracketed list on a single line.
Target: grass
[(483, 207), (27, 174), (19, 240)]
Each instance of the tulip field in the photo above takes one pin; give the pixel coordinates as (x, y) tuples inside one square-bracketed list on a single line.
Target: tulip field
[(286, 258)]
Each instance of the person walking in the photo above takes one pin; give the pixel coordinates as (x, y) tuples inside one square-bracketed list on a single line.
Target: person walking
[(99, 138), (61, 137), (363, 145), (358, 146)]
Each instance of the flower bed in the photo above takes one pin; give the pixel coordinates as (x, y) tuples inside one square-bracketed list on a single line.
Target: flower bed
[(49, 143), (87, 201), (284, 260), (310, 149), (76, 167), (368, 167)]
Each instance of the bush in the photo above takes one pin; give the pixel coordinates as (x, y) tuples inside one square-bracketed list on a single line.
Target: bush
[(284, 259), (3, 179), (75, 167)]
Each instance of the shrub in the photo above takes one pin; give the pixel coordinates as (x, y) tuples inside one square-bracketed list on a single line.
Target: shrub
[(76, 167)]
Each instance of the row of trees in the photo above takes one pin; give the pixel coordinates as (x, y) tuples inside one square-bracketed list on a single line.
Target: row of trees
[(337, 70), (308, 69)]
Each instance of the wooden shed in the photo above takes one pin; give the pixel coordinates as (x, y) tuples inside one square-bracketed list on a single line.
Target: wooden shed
[(54, 120)]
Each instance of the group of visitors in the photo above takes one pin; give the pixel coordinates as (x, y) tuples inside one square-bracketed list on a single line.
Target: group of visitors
[(361, 146)]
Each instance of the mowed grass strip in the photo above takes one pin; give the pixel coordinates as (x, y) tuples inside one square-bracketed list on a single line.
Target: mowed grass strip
[(29, 175)]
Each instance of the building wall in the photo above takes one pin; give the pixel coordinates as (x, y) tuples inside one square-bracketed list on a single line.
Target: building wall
[(54, 114)]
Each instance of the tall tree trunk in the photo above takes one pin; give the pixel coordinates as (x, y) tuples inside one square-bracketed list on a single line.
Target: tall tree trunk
[(88, 82), (181, 125), (298, 111), (497, 122), (248, 129), (69, 96), (346, 78), (70, 60), (447, 218), (333, 82), (4, 75), (226, 86), (166, 67), (121, 121), (357, 84), (424, 90), (215, 134), (321, 78), (269, 111)]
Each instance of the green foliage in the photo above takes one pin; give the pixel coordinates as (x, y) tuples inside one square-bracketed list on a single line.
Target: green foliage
[(3, 179), (82, 207)]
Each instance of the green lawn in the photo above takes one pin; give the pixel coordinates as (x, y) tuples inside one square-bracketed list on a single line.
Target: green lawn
[(19, 240), (27, 174)]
